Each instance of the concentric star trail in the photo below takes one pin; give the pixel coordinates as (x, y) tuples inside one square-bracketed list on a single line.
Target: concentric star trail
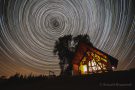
[(29, 29)]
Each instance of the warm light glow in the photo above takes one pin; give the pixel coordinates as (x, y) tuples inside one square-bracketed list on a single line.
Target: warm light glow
[(96, 64), (99, 68), (94, 67), (113, 68), (83, 69)]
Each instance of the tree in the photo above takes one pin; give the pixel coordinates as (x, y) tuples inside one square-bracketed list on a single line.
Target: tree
[(61, 49), (65, 47), (82, 38)]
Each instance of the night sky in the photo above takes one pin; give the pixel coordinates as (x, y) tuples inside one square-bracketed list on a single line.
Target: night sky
[(29, 29)]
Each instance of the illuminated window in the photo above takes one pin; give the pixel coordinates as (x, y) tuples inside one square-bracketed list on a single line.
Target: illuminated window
[(83, 69), (92, 65)]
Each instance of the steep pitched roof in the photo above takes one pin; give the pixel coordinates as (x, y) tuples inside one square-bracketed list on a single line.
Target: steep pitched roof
[(83, 48)]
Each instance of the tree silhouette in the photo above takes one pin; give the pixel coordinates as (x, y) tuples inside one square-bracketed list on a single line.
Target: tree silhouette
[(65, 47), (82, 39), (62, 49)]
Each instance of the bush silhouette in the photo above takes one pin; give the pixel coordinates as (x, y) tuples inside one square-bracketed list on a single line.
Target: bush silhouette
[(96, 81)]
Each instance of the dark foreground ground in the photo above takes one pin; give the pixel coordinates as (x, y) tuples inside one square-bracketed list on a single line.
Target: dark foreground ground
[(111, 81)]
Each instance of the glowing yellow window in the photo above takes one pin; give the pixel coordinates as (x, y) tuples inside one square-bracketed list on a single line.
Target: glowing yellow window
[(83, 69)]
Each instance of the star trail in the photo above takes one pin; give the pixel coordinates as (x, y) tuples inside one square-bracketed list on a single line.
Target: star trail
[(29, 29)]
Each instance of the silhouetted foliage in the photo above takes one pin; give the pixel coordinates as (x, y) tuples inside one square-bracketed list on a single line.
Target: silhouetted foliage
[(62, 50), (65, 47), (123, 79), (82, 38)]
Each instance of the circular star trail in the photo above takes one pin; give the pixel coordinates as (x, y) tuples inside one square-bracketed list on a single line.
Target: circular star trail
[(29, 29)]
